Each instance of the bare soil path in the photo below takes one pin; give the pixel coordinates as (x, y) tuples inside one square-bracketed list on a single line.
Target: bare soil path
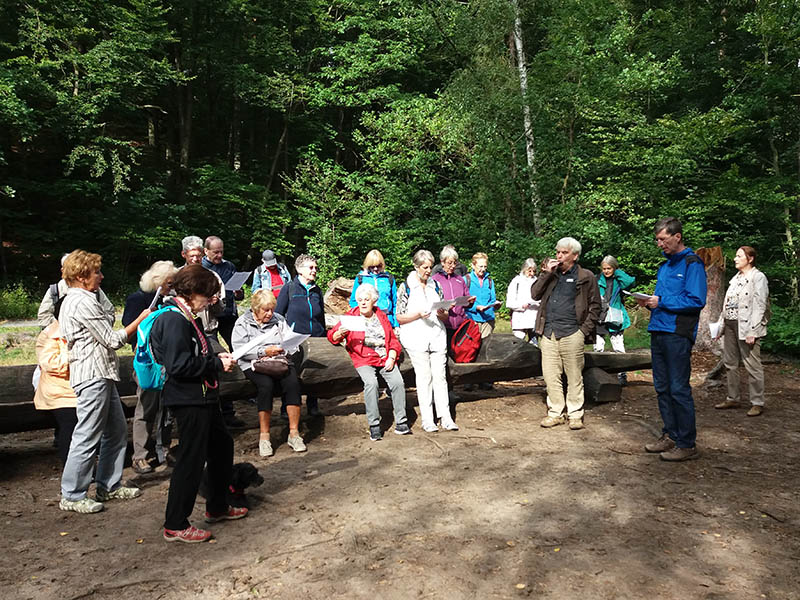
[(500, 509)]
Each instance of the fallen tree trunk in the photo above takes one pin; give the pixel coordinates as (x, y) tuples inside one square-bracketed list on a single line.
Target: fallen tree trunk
[(327, 371)]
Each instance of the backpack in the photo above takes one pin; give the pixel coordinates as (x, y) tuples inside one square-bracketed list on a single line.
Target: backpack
[(466, 342), (150, 374)]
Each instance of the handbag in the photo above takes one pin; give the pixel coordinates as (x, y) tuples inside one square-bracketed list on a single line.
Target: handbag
[(614, 316), (276, 366)]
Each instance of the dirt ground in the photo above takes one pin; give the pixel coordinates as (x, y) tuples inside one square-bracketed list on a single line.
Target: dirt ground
[(500, 509)]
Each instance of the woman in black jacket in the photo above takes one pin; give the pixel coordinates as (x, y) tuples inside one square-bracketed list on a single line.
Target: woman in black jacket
[(191, 393)]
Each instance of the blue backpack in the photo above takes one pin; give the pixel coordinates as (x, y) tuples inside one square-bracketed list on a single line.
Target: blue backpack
[(150, 374)]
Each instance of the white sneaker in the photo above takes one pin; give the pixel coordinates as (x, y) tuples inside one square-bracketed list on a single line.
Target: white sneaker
[(296, 443), (264, 448), (450, 426), (84, 505), (430, 428)]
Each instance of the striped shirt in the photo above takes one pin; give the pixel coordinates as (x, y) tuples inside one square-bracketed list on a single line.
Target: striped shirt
[(91, 341)]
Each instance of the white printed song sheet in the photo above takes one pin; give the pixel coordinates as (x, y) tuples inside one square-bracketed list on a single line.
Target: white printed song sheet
[(353, 322), (235, 283), (637, 295)]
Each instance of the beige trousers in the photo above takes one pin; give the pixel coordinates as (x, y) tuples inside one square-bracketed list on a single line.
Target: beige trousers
[(733, 350), (563, 356), (487, 327)]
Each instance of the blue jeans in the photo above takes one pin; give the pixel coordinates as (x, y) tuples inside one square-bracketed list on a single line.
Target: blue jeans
[(101, 428), (672, 367)]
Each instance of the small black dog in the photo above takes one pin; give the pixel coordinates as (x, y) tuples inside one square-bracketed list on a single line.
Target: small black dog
[(244, 475)]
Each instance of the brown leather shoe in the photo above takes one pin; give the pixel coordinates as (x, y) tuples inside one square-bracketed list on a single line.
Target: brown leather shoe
[(680, 454), (728, 403), (662, 444), (549, 421), (755, 410)]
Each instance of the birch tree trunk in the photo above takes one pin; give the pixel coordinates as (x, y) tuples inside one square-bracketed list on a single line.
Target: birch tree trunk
[(530, 142)]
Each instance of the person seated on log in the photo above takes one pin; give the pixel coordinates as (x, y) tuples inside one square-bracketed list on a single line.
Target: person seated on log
[(375, 350), (57, 291), (151, 423), (423, 337), (743, 323), (101, 429), (53, 391), (523, 307), (374, 273), (191, 393), (303, 306), (262, 320), (614, 319)]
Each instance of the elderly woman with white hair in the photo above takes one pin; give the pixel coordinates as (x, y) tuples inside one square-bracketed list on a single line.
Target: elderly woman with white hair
[(523, 307), (614, 318), (151, 424), (374, 351), (422, 333)]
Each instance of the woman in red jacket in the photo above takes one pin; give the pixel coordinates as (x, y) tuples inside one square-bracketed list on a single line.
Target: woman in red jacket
[(373, 349)]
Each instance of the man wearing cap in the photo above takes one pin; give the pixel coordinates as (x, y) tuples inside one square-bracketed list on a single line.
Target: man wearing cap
[(270, 275)]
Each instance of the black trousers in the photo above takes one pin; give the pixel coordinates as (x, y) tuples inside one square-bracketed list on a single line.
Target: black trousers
[(288, 385), (203, 439), (66, 419), (227, 404)]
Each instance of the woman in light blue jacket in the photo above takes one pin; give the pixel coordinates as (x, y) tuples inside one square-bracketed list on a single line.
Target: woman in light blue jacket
[(374, 274)]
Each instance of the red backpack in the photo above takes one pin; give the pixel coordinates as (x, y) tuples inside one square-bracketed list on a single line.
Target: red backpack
[(466, 342)]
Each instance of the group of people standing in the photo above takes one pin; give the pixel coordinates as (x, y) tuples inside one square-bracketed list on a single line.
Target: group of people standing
[(561, 309)]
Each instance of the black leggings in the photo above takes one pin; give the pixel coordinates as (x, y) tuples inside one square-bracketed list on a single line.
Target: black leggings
[(66, 419), (288, 385)]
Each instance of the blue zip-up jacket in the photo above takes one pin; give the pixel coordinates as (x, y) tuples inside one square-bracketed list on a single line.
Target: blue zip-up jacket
[(303, 307), (484, 295), (262, 279), (225, 270), (387, 292), (681, 290)]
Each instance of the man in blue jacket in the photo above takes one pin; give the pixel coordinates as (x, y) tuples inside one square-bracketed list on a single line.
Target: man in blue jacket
[(675, 307)]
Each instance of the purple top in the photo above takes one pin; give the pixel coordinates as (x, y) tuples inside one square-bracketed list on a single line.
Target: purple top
[(452, 287)]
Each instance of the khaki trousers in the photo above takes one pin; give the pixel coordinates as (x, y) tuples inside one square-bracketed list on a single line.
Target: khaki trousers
[(733, 350), (563, 356)]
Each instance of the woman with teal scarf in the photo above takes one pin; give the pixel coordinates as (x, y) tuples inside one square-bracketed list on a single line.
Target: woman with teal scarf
[(613, 318)]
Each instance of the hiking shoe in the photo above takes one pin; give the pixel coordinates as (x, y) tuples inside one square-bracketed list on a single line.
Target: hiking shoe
[(576, 424), (312, 407), (231, 514), (680, 454), (190, 535), (622, 378), (296, 443), (549, 421), (265, 448), (662, 444), (141, 466), (121, 493), (84, 505), (728, 403), (375, 433), (755, 410), (402, 429), (430, 428), (450, 426)]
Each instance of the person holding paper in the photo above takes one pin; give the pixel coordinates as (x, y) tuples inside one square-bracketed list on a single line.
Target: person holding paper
[(743, 322), (523, 307), (570, 306), (481, 287), (614, 319), (453, 285), (423, 336), (374, 273), (151, 424), (262, 322), (675, 307), (374, 351)]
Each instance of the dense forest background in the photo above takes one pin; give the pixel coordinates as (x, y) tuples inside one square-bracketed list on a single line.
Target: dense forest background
[(337, 126)]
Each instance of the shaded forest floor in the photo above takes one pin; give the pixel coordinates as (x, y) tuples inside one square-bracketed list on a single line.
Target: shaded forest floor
[(500, 509)]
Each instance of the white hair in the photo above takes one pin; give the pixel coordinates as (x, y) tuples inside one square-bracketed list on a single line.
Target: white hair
[(528, 264), (190, 242), (420, 256), (448, 252), (569, 243), (156, 275), (366, 291)]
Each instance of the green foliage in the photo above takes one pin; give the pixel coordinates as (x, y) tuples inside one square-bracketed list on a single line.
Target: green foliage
[(783, 331), (16, 303)]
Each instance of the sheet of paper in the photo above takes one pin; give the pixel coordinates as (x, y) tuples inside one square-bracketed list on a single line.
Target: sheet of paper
[(462, 301), (236, 281), (637, 295), (251, 345), (155, 299), (444, 304), (714, 330), (291, 343), (353, 322)]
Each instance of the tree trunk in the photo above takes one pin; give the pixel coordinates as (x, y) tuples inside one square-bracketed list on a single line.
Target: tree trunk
[(530, 142), (715, 276)]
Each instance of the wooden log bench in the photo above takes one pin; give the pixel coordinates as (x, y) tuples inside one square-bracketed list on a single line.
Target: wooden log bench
[(327, 371)]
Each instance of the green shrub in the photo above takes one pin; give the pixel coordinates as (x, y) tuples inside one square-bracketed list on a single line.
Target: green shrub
[(15, 303), (783, 331)]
